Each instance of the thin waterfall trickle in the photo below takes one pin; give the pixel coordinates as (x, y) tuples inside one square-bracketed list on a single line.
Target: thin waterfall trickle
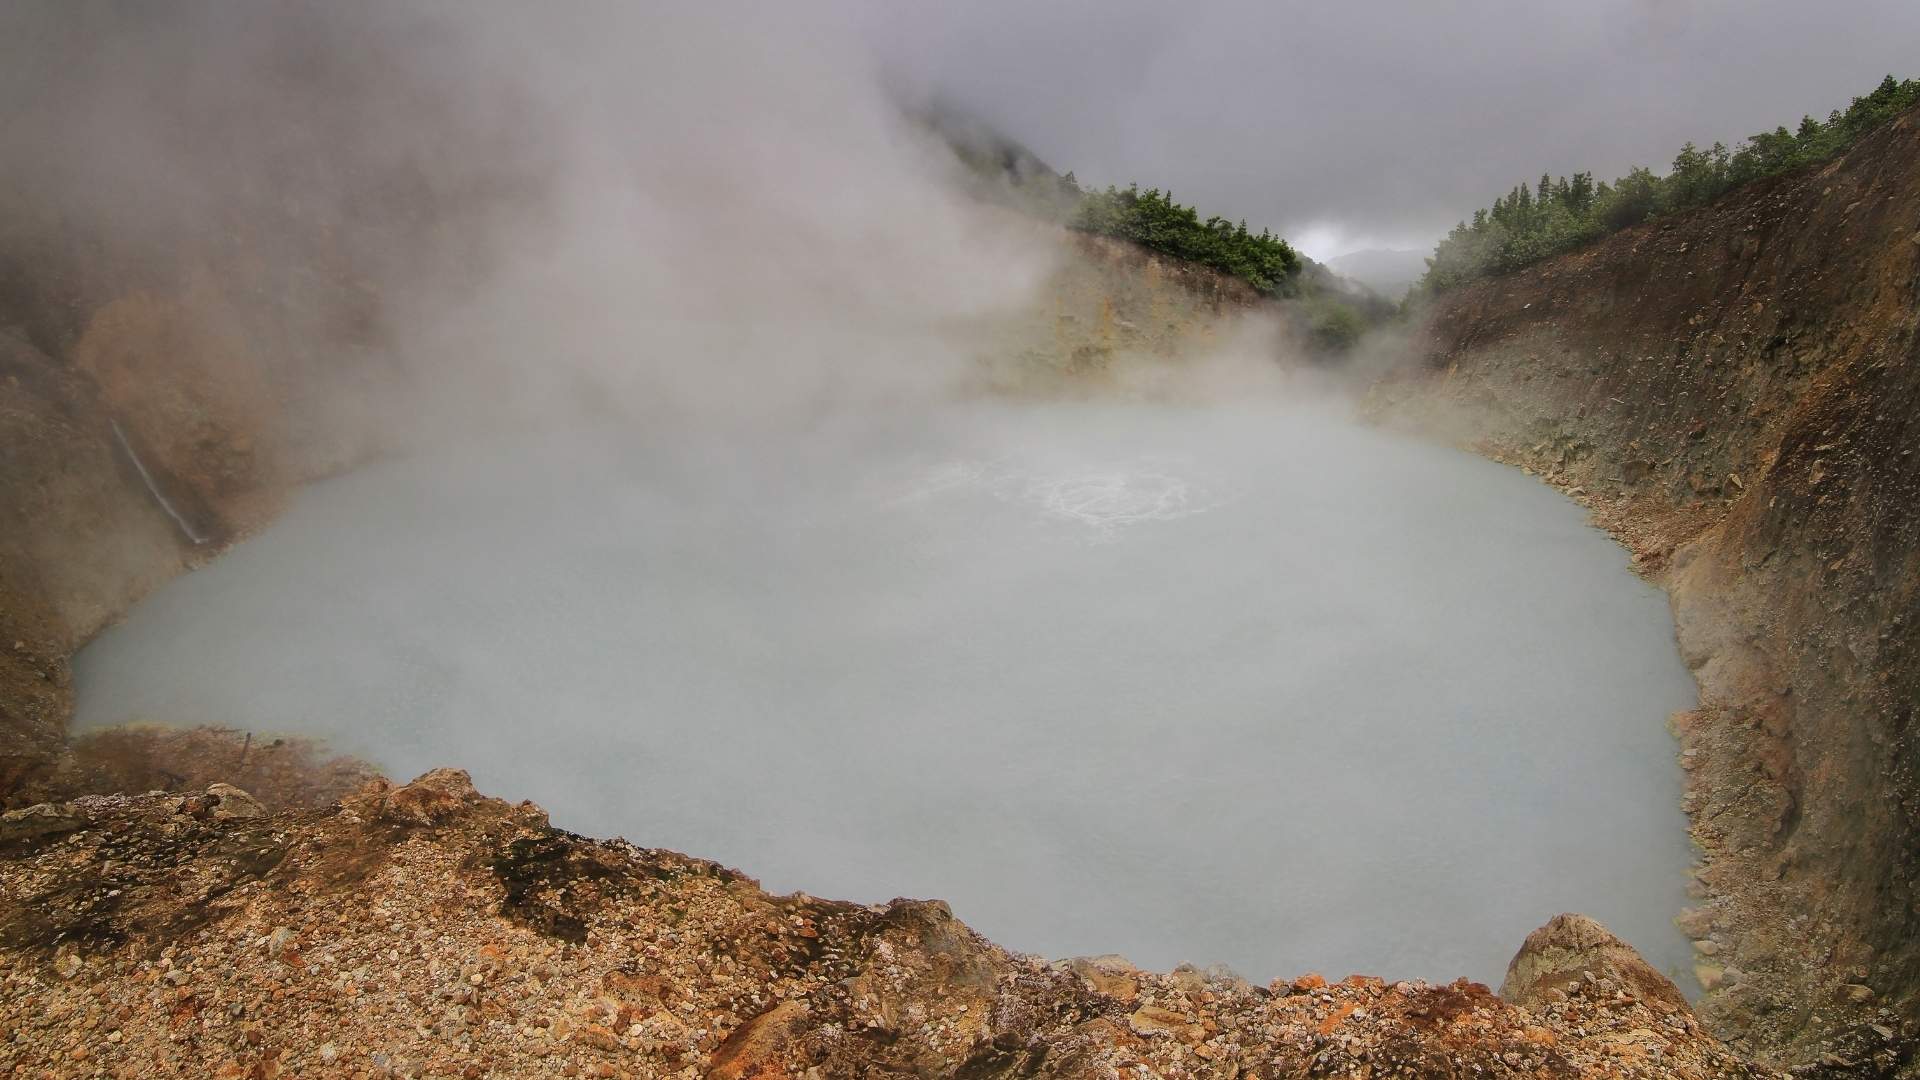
[(186, 527)]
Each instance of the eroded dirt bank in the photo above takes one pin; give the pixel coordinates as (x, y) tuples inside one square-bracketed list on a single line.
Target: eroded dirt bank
[(1735, 392)]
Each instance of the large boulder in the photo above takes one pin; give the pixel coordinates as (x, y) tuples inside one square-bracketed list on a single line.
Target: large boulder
[(434, 798), (1572, 949)]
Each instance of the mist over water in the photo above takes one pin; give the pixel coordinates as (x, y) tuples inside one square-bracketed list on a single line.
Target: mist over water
[(1239, 684)]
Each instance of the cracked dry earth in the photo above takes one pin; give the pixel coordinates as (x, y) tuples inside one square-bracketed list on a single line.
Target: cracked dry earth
[(427, 931)]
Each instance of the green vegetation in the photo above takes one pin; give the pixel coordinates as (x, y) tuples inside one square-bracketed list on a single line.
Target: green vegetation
[(1335, 323), (1531, 223), (1155, 221), (1331, 313)]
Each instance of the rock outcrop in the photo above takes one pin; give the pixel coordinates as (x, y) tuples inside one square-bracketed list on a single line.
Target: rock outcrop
[(426, 930), (1573, 949)]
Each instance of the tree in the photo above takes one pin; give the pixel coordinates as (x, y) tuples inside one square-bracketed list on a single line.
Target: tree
[(1530, 222)]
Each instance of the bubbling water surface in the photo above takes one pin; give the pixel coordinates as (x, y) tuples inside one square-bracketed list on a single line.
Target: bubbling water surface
[(1250, 685)]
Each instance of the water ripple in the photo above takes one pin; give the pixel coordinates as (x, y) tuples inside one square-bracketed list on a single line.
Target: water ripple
[(1106, 498)]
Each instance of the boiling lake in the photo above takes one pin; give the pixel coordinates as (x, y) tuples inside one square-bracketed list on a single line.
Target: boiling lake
[(1253, 686)]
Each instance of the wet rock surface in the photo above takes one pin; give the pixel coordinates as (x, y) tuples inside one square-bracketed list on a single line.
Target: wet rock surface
[(426, 930)]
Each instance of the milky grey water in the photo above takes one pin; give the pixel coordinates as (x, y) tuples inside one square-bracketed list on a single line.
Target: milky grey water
[(1224, 685)]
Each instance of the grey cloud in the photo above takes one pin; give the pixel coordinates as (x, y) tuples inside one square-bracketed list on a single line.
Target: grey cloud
[(1369, 124)]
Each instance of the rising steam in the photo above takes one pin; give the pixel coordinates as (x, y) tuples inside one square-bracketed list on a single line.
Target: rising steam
[(660, 314), (451, 216)]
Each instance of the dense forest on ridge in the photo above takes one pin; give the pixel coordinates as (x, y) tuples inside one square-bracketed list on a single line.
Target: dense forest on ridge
[(1155, 221), (1532, 222)]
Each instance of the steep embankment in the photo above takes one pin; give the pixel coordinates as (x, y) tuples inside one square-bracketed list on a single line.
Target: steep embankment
[(1112, 315), (80, 540), (1735, 391), (120, 467)]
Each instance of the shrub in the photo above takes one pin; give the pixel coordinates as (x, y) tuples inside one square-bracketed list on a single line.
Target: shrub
[(1156, 222)]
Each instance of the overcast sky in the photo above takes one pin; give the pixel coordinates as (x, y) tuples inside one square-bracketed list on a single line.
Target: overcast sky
[(1348, 125)]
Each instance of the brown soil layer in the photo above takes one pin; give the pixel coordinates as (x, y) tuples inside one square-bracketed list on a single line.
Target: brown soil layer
[(1735, 393)]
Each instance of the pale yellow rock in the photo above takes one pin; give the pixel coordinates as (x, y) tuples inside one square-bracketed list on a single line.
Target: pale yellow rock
[(1153, 1020), (1109, 975), (1568, 949)]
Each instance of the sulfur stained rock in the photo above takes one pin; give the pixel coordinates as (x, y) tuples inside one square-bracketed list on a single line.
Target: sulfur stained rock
[(1111, 975)]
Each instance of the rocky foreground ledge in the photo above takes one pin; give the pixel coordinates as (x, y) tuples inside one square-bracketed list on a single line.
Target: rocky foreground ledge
[(428, 931)]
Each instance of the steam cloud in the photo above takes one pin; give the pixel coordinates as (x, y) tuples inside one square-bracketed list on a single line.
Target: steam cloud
[(481, 214)]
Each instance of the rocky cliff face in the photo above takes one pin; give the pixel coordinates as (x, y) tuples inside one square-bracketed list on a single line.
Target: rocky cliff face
[(1115, 317), (1735, 392)]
